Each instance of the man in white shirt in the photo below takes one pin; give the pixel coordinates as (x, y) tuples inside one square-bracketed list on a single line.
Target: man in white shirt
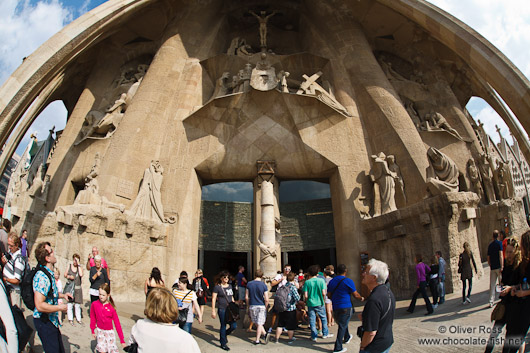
[(14, 269)]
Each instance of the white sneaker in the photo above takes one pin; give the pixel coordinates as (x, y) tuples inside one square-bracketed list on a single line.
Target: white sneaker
[(491, 304), (468, 300), (349, 340), (465, 302), (314, 339), (328, 335), (435, 306), (341, 351)]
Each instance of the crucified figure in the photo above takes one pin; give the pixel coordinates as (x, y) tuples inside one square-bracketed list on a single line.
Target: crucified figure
[(263, 25)]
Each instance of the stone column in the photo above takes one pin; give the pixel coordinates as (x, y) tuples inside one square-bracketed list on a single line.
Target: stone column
[(267, 236)]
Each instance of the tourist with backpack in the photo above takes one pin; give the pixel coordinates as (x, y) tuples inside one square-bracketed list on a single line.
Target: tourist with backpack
[(14, 269), (46, 296), (257, 299), (285, 303)]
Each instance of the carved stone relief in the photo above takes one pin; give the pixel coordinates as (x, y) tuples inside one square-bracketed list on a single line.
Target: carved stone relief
[(312, 88), (486, 174), (401, 198), (474, 176), (443, 173)]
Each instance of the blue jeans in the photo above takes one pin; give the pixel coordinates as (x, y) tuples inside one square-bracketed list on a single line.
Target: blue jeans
[(313, 311), (187, 327), (342, 317), (223, 332), (386, 351), (441, 288)]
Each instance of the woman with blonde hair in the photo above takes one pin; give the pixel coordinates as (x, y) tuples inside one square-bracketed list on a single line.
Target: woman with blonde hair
[(157, 333), (201, 286), (466, 272)]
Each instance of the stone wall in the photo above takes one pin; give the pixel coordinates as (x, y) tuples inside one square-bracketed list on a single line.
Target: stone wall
[(226, 226), (443, 223), (507, 215), (305, 225)]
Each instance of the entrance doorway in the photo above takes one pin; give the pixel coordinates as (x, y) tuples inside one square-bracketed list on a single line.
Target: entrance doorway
[(303, 259), (217, 261)]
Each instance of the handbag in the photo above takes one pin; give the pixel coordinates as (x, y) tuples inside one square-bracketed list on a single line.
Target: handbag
[(232, 310), (132, 348), (498, 312), (183, 313)]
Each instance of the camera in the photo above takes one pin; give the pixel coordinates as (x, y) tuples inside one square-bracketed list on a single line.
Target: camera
[(360, 332), (7, 255)]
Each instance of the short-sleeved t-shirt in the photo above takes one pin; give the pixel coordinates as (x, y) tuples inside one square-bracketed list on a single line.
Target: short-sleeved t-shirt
[(256, 290), (378, 315), (239, 278), (314, 288), (222, 295), (341, 292), (41, 284), (280, 277), (187, 300), (493, 252)]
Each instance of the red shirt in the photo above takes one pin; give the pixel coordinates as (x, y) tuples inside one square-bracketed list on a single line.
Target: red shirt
[(102, 317)]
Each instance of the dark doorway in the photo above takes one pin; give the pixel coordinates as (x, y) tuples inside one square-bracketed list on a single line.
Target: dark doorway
[(216, 261), (303, 259)]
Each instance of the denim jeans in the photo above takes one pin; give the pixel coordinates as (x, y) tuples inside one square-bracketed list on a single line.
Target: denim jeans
[(441, 289), (223, 332), (386, 351), (342, 317), (313, 311), (186, 326)]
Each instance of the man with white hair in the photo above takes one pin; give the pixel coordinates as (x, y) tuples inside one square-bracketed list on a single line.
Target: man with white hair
[(378, 314), (90, 262)]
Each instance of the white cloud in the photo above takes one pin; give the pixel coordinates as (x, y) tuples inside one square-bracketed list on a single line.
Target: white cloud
[(506, 25), (24, 27)]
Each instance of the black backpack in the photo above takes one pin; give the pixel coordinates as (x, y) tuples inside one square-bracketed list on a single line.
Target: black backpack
[(282, 298), (26, 286)]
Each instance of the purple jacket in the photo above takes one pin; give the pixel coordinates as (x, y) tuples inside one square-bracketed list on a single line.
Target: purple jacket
[(421, 269)]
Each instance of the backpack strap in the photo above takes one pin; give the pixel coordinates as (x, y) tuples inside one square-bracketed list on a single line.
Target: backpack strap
[(50, 291)]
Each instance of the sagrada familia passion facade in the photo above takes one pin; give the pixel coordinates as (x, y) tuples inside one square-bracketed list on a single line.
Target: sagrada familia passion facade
[(167, 96)]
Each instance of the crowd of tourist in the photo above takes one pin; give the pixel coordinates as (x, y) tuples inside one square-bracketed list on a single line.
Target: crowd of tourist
[(320, 299)]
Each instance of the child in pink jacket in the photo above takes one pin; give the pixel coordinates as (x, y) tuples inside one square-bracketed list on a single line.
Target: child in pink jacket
[(102, 314)]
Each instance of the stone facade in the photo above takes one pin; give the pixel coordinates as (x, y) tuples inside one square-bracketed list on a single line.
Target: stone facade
[(164, 97)]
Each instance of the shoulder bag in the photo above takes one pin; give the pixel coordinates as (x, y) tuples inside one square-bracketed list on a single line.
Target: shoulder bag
[(183, 313), (232, 310)]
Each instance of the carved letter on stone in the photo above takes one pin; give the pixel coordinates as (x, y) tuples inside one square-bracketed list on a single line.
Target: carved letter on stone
[(443, 173), (385, 179)]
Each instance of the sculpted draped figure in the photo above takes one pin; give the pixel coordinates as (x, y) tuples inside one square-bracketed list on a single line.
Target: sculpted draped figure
[(486, 173), (401, 198), (386, 180), (148, 203), (443, 173), (505, 180), (474, 175)]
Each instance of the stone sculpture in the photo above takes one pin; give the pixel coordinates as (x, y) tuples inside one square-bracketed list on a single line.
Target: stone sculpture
[(263, 76), (401, 198), (505, 180), (282, 81), (37, 184), (443, 173), (223, 85), (486, 174), (409, 106), (474, 176), (90, 194), (439, 122), (312, 88), (148, 202), (263, 18), (239, 47), (267, 237), (385, 180)]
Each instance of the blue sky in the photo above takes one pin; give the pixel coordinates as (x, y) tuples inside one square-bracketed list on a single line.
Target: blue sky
[(26, 24)]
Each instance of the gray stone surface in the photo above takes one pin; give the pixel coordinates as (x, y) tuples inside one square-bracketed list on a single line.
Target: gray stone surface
[(408, 328)]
